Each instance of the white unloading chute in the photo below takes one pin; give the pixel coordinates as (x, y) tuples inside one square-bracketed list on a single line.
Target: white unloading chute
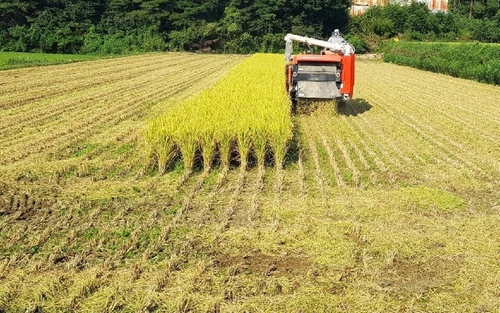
[(343, 47)]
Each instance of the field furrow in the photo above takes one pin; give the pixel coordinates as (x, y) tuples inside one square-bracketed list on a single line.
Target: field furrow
[(314, 157), (255, 194), (114, 99), (208, 200), (349, 162), (332, 161), (111, 111), (61, 73), (467, 106), (448, 146), (86, 79), (393, 135), (232, 205), (301, 175), (382, 150), (52, 109), (435, 118), (371, 152), (390, 134), (463, 118)]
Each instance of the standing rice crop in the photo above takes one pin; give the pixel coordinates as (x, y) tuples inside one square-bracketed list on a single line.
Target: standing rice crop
[(246, 112)]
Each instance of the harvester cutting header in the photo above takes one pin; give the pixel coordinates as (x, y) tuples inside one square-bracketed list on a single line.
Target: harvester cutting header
[(325, 76)]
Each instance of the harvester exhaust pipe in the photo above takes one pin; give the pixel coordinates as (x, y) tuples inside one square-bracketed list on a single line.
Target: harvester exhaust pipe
[(288, 50)]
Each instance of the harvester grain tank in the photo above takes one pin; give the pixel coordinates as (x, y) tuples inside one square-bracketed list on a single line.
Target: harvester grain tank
[(328, 75)]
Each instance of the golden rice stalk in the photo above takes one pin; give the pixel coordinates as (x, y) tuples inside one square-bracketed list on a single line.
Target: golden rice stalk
[(188, 146), (260, 147), (208, 147), (225, 143), (248, 109), (244, 146)]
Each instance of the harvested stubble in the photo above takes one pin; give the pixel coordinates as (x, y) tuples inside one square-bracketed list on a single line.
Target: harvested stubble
[(247, 111)]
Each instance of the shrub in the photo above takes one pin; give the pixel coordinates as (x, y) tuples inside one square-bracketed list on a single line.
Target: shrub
[(477, 61)]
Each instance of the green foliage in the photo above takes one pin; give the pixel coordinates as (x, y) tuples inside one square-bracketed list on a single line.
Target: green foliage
[(90, 232), (9, 60), (477, 61), (426, 198), (415, 22), (92, 42), (57, 27), (359, 43), (85, 150), (478, 9), (128, 26), (393, 19)]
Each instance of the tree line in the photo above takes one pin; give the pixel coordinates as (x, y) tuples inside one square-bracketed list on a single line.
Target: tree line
[(120, 26), (469, 20), (230, 26), (469, 60)]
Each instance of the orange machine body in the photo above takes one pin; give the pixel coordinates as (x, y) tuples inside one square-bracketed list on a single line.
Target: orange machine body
[(341, 72)]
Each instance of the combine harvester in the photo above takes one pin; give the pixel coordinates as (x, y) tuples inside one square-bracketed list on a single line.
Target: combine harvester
[(328, 75)]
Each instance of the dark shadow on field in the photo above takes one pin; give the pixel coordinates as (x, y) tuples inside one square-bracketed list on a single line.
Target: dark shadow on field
[(340, 107), (292, 153), (175, 161), (234, 159), (353, 107)]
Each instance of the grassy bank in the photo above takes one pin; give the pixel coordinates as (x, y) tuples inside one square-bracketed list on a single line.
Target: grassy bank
[(477, 61), (10, 60)]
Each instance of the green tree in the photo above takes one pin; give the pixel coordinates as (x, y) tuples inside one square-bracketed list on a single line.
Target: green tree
[(54, 26), (261, 24), (195, 25)]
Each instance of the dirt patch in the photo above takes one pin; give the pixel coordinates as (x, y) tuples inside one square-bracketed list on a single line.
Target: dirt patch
[(267, 265), (405, 276), (22, 204)]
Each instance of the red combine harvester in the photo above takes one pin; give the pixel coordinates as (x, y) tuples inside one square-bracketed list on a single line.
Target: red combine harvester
[(325, 76)]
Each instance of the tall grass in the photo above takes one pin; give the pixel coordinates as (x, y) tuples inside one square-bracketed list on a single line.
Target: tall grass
[(477, 61), (10, 60), (246, 112)]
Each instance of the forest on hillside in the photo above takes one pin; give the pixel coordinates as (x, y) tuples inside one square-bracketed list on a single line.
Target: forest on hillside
[(231, 26), (116, 26), (470, 20)]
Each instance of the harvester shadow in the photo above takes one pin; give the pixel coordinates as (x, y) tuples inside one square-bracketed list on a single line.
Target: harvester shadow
[(293, 151), (353, 107)]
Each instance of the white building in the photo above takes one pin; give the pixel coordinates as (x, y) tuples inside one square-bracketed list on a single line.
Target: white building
[(360, 6)]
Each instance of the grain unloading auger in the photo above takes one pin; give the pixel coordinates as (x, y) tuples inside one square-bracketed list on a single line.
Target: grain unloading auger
[(328, 75)]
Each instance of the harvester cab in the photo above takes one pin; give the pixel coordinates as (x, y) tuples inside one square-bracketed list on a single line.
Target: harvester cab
[(328, 75)]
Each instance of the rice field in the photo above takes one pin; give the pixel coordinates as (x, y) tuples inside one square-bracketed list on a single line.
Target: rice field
[(388, 203)]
